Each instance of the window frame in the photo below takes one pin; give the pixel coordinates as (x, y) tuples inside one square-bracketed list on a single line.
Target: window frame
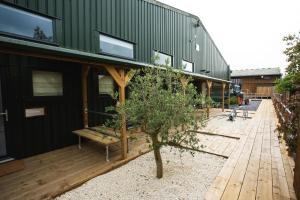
[(33, 12), (193, 66), (172, 57), (117, 38)]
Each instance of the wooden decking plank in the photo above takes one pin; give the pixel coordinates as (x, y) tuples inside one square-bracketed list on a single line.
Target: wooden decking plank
[(217, 188), (264, 186), (234, 185), (267, 174), (248, 190)]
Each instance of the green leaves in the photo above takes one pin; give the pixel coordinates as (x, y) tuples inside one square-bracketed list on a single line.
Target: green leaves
[(293, 53), (158, 102), (289, 82)]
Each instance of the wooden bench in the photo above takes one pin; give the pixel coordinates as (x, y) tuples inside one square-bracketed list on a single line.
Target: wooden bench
[(102, 135)]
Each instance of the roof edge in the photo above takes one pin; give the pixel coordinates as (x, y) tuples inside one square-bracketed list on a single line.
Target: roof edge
[(55, 50)]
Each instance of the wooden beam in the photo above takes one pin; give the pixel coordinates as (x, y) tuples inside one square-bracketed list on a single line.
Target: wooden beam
[(184, 82), (115, 74), (209, 84), (84, 82), (223, 96), (229, 95), (129, 76), (123, 119), (122, 80)]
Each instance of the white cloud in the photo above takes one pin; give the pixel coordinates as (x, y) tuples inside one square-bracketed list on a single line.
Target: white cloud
[(248, 32)]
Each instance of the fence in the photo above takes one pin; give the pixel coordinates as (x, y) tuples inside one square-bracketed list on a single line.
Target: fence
[(288, 112), (256, 96)]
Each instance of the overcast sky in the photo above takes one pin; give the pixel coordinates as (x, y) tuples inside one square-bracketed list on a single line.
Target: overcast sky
[(248, 32)]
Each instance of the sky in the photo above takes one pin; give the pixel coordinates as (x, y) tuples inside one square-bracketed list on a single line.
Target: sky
[(248, 33)]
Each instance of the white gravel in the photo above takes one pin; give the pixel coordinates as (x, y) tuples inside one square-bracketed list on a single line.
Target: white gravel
[(185, 177)]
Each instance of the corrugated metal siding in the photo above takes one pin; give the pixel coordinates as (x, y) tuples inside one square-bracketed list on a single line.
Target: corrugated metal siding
[(30, 136), (148, 25)]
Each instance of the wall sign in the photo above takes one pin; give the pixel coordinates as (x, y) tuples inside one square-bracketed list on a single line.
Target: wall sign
[(34, 112)]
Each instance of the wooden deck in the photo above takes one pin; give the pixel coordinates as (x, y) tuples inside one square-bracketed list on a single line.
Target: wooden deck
[(47, 175), (259, 167)]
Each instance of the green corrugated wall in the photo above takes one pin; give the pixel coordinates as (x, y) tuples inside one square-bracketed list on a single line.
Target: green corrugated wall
[(148, 25)]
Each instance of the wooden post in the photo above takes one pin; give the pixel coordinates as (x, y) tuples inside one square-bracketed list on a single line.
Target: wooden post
[(122, 80), (223, 96), (84, 83), (228, 96), (184, 81), (209, 84), (297, 163), (123, 120)]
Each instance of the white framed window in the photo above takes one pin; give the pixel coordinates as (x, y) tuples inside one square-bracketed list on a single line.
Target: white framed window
[(113, 46), (106, 85), (46, 83), (187, 66), (162, 59)]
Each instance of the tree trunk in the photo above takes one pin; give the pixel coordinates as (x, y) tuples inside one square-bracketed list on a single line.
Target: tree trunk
[(157, 156)]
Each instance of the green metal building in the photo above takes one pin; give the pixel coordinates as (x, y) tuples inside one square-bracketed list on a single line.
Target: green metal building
[(45, 44)]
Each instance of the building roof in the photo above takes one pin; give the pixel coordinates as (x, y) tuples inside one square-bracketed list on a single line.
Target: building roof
[(89, 58), (256, 72)]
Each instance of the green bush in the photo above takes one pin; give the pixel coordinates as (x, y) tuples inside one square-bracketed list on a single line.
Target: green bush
[(233, 100)]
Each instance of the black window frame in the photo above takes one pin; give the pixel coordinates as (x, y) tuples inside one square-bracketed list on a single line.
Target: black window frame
[(117, 38), (34, 12), (172, 57), (193, 65)]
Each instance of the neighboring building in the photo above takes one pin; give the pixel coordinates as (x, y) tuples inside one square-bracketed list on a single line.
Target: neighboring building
[(256, 81), (46, 47)]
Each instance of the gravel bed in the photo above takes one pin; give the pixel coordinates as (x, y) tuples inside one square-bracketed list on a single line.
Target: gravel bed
[(185, 177)]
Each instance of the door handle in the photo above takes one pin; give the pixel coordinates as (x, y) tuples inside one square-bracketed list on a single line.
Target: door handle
[(5, 114)]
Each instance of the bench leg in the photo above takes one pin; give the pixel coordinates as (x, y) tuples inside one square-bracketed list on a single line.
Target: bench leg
[(79, 142), (127, 145), (107, 152)]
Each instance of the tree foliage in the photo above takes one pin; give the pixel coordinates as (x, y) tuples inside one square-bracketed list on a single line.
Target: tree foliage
[(165, 109), (292, 52), (285, 84)]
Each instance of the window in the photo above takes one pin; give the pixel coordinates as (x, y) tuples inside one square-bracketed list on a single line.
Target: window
[(115, 47), (187, 66), (18, 22), (197, 47), (47, 83), (106, 85), (162, 59)]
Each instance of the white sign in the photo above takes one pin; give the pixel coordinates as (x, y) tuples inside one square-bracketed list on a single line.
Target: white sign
[(34, 112)]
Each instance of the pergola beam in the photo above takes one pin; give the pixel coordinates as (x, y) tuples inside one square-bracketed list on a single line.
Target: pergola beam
[(122, 80), (223, 95), (209, 84), (84, 83)]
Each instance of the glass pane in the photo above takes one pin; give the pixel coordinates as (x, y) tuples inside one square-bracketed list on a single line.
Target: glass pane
[(106, 85), (116, 47), (187, 66), (47, 83), (162, 59), (19, 22)]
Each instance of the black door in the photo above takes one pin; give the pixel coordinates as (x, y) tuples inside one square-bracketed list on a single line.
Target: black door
[(3, 115)]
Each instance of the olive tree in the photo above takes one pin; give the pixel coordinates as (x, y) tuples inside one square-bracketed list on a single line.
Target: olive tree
[(163, 103)]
